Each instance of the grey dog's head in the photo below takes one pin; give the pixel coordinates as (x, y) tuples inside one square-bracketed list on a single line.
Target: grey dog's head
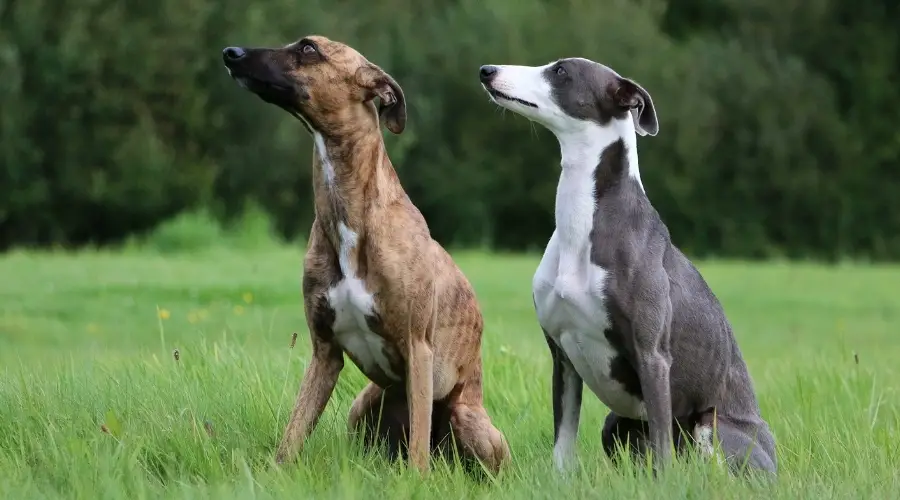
[(565, 94)]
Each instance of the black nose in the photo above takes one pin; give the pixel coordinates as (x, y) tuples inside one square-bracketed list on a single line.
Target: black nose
[(487, 73), (233, 53)]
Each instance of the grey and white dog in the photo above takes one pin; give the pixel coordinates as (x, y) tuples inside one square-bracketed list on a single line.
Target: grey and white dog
[(622, 309)]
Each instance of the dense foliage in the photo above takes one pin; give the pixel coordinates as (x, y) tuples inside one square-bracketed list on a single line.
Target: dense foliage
[(777, 135)]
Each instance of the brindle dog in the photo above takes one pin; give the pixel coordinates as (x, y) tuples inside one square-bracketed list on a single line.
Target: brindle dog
[(376, 286)]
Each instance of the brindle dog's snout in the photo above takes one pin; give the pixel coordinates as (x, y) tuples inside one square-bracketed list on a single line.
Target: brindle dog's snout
[(233, 54)]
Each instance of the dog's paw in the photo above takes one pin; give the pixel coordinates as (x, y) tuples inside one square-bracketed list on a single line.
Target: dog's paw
[(564, 459)]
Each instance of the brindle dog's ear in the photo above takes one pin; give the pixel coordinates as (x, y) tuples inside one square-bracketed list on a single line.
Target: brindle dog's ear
[(633, 97), (378, 83)]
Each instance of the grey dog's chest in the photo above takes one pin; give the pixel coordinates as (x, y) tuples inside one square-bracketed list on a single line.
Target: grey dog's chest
[(573, 305)]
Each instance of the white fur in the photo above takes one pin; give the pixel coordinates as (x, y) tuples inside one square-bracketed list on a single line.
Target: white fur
[(568, 288), (703, 435), (564, 449), (327, 166)]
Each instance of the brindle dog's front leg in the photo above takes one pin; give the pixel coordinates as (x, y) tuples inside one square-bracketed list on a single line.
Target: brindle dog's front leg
[(315, 390), (327, 357), (420, 377), (420, 394), (651, 323)]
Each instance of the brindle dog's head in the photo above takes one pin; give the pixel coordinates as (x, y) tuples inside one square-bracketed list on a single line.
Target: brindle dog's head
[(327, 85)]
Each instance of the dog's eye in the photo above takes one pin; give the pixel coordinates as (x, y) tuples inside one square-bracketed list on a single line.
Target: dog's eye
[(308, 49), (560, 70)]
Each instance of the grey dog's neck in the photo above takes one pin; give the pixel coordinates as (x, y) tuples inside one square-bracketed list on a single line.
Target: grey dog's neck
[(590, 154), (583, 148)]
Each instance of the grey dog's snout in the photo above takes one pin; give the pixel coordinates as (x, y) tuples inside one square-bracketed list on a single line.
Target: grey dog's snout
[(487, 73), (233, 53)]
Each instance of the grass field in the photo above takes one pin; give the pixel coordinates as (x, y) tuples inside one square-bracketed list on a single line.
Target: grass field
[(93, 404)]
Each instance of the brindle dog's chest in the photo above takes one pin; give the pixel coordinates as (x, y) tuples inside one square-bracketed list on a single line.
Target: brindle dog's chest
[(356, 328)]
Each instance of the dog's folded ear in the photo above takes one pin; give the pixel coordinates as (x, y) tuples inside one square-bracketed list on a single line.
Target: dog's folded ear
[(377, 83), (633, 97)]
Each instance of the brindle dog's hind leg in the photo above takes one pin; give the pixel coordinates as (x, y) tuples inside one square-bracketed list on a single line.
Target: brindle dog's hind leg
[(382, 415), (474, 434), (372, 414), (458, 424), (476, 437)]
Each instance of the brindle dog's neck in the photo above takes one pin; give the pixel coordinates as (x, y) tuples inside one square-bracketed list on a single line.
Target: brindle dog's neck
[(351, 174)]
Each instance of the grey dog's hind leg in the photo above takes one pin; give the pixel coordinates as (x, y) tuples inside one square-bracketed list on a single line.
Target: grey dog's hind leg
[(741, 451), (747, 448), (634, 435)]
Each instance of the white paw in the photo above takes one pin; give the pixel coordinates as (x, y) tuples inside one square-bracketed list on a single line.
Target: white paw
[(563, 459), (704, 438)]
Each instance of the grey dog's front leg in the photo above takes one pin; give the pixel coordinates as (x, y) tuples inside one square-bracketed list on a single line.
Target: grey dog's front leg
[(651, 330), (654, 375), (567, 392)]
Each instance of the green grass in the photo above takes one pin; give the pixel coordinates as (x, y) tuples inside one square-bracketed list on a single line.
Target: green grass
[(86, 340)]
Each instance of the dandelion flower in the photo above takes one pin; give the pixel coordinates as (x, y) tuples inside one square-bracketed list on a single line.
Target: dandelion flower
[(164, 314)]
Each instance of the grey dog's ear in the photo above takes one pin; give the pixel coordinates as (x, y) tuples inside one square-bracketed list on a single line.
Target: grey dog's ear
[(633, 97), (377, 83)]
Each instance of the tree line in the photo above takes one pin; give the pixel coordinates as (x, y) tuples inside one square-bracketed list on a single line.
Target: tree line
[(777, 134)]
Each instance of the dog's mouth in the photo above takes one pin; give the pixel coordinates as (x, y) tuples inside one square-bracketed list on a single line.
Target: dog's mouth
[(285, 96), (259, 86), (497, 95)]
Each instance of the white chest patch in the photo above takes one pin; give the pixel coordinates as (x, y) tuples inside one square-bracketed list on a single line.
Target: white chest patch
[(327, 166), (352, 303), (570, 293)]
